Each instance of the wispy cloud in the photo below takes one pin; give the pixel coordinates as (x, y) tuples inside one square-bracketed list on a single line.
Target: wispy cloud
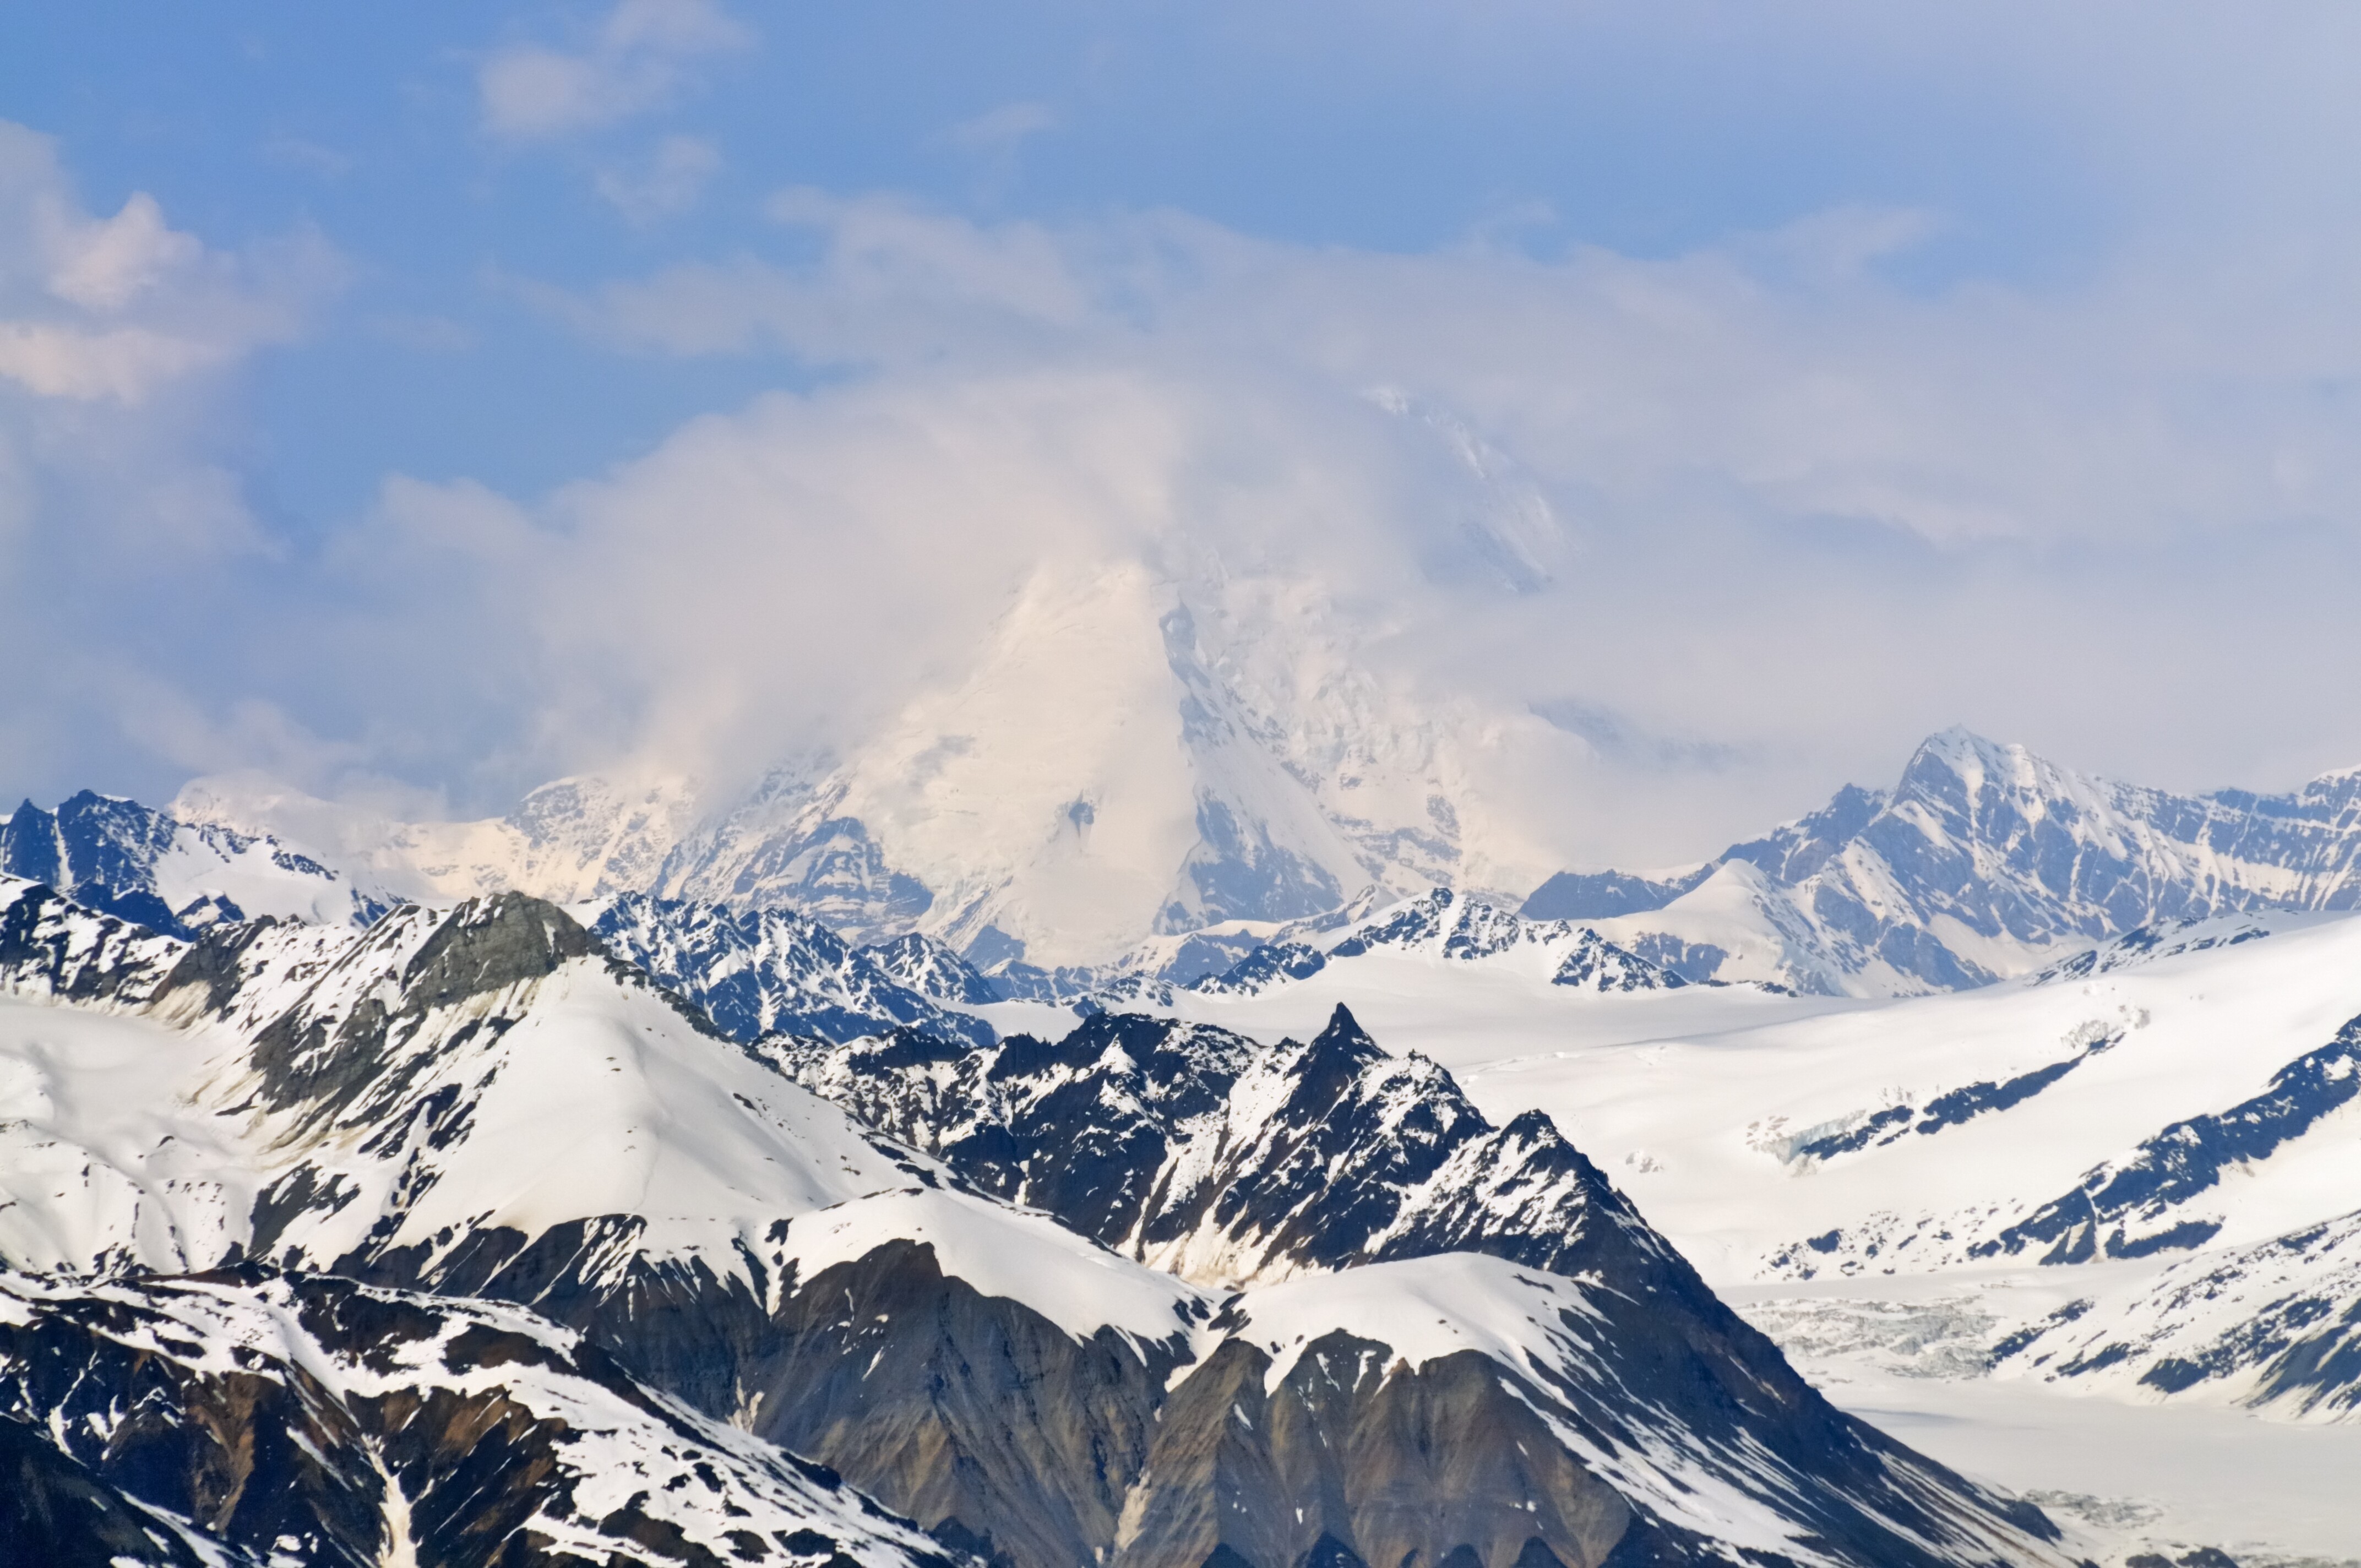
[(666, 183), (639, 58), (117, 309)]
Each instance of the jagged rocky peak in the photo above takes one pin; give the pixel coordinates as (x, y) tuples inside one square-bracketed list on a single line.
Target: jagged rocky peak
[(932, 970), (1456, 1343), (1200, 1150)]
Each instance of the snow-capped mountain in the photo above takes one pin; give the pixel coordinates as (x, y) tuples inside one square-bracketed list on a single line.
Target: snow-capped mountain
[(1374, 1214), (1982, 861), (121, 858), (481, 1103), (2020, 1215)]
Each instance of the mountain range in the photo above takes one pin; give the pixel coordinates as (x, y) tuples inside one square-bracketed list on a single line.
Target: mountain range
[(670, 1126), (1981, 861), (458, 1239)]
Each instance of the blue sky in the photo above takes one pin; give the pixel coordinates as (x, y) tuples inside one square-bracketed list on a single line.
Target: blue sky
[(1892, 364)]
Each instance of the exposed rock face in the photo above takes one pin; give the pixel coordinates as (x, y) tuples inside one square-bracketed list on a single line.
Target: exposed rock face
[(58, 1515), (971, 1413), (312, 1418), (1350, 1461), (52, 947)]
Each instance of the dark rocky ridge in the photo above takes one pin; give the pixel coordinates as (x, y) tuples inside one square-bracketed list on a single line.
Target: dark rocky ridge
[(308, 1416), (50, 946), (2129, 1207), (56, 1514), (1134, 1131), (756, 972)]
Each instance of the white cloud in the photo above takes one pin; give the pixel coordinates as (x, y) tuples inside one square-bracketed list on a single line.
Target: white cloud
[(1756, 516), (130, 557), (120, 308), (639, 58)]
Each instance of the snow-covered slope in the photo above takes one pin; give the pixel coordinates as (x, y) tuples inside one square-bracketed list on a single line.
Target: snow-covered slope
[(443, 1076), (1981, 861), (120, 858)]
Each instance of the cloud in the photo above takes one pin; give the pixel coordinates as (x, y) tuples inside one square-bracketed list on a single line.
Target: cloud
[(130, 553), (666, 185), (639, 58), (998, 132), (117, 309), (1744, 521), (1735, 519)]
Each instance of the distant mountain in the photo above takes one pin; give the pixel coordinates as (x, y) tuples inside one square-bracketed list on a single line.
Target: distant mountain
[(1456, 929), (1984, 860), (1123, 755), (123, 859)]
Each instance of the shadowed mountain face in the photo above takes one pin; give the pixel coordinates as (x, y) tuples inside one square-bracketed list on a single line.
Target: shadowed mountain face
[(461, 1139), (1234, 1163)]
